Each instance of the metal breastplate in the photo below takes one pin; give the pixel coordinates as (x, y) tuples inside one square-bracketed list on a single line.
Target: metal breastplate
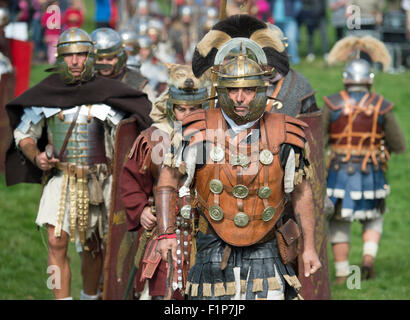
[(86, 144)]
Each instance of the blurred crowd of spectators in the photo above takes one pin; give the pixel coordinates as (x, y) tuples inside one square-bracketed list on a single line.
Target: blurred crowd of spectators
[(292, 16), (37, 13)]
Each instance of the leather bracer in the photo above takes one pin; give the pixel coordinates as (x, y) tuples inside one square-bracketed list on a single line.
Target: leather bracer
[(165, 202)]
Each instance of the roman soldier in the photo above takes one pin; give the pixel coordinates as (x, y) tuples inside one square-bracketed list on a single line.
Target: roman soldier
[(64, 130), (151, 66), (290, 94), (138, 184), (243, 164), (110, 52), (361, 131)]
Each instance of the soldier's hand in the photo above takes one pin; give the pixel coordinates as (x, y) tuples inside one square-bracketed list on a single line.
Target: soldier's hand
[(44, 163), (311, 262), (164, 245), (147, 220)]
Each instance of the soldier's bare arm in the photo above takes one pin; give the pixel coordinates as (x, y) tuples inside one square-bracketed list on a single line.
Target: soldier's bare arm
[(303, 206), (31, 151)]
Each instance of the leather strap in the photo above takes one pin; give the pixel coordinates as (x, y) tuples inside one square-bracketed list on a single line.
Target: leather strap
[(69, 131), (269, 106)]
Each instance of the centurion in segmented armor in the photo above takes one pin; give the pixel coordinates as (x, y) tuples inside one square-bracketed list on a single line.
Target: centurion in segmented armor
[(85, 150), (75, 40)]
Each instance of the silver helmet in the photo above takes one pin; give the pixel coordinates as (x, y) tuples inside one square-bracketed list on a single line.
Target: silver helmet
[(155, 27), (130, 40), (145, 42), (185, 96), (108, 44), (358, 72), (4, 17), (75, 40)]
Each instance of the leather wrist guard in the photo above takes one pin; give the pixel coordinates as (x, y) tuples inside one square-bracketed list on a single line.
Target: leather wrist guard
[(165, 202)]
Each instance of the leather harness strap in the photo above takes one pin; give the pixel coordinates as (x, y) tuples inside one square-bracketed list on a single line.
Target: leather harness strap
[(68, 134)]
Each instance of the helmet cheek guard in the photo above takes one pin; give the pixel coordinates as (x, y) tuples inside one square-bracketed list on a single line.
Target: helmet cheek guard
[(71, 41), (86, 75), (108, 43), (256, 106), (122, 61), (242, 72)]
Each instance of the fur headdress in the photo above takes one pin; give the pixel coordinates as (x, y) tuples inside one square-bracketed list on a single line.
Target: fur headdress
[(240, 25), (350, 47)]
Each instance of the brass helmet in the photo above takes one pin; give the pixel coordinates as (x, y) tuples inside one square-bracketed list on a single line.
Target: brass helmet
[(185, 96), (108, 43), (75, 40), (242, 72)]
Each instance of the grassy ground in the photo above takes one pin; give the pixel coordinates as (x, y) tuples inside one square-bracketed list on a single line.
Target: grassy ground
[(392, 262), (23, 252)]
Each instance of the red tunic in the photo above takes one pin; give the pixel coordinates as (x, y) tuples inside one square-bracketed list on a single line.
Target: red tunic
[(137, 180)]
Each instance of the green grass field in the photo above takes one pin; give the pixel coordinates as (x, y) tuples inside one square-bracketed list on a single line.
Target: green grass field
[(23, 248)]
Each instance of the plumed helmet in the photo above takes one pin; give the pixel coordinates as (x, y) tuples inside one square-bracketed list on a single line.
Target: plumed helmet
[(358, 72), (185, 96), (240, 26), (75, 40), (108, 44), (279, 33), (242, 72), (4, 17)]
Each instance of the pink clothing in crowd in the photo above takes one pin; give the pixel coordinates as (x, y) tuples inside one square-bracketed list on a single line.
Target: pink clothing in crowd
[(51, 34), (72, 17)]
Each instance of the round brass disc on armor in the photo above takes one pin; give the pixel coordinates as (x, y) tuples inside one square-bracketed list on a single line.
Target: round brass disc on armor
[(216, 213), (216, 186), (336, 166), (241, 219), (240, 191), (186, 211), (264, 192), (239, 160), (350, 169), (266, 157), (268, 214), (217, 154)]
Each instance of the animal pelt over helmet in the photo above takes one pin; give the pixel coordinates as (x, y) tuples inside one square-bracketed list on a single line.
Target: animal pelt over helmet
[(245, 26)]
